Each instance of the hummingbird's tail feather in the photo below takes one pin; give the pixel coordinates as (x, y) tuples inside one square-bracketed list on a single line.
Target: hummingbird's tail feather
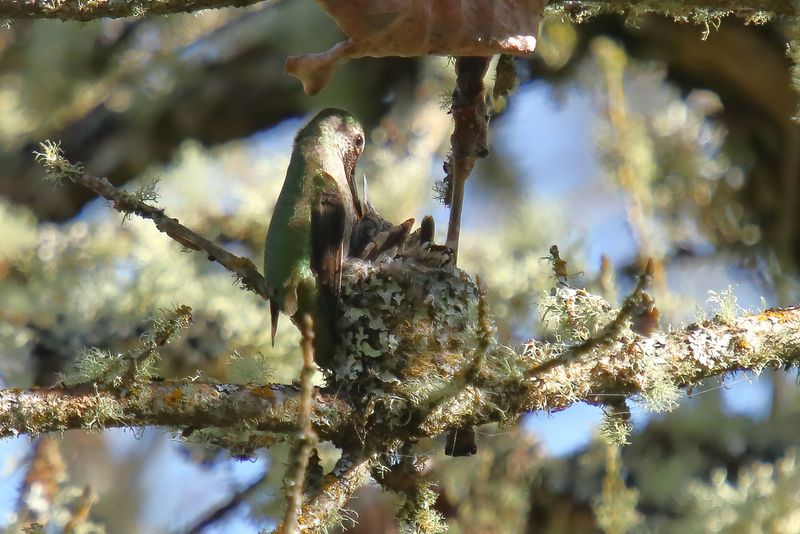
[(274, 313)]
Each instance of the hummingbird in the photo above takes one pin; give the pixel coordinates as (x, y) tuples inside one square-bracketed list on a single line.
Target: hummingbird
[(309, 235)]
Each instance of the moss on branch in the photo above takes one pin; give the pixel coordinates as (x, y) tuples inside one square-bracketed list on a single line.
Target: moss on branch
[(97, 9), (690, 10), (178, 405), (499, 391)]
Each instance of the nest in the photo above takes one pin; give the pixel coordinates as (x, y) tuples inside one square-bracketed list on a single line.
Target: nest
[(402, 322)]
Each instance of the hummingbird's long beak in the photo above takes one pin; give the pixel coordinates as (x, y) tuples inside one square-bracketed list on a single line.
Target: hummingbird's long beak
[(350, 169), (366, 205)]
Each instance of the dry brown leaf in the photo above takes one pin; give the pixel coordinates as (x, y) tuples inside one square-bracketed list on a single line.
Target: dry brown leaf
[(406, 28)]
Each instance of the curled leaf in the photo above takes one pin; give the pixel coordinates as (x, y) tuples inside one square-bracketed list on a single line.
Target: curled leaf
[(406, 28)]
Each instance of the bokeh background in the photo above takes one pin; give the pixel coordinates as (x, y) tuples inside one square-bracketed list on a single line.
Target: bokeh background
[(625, 140)]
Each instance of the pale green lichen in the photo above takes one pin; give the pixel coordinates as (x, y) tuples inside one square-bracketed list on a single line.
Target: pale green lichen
[(103, 410), (615, 428), (574, 314), (55, 164), (254, 369), (417, 515), (660, 393), (727, 305), (98, 366)]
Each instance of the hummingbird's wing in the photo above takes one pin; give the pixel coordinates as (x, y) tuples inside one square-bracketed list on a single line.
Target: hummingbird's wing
[(328, 220)]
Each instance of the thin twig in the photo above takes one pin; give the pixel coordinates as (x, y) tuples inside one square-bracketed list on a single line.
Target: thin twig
[(42, 481), (336, 489), (307, 437), (609, 333), (469, 140), (81, 511), (58, 167), (235, 501)]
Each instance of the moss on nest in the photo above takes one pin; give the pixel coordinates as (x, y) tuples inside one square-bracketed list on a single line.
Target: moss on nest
[(402, 320)]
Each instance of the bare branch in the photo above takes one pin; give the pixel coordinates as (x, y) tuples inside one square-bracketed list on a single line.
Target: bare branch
[(469, 140), (42, 481), (337, 487), (307, 437), (58, 168), (233, 503)]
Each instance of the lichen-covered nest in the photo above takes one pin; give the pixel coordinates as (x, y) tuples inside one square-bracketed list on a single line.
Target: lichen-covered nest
[(402, 322)]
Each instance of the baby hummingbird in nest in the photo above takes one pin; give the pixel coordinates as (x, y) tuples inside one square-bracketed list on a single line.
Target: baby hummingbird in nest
[(309, 235)]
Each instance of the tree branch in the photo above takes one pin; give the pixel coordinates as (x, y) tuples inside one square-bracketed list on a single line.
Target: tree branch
[(686, 356), (59, 168), (336, 489), (180, 405), (85, 11), (610, 331), (307, 437), (97, 9), (469, 140), (685, 8), (625, 368), (232, 504)]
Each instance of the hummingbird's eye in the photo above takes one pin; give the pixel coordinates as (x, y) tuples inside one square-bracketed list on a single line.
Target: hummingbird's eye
[(359, 140)]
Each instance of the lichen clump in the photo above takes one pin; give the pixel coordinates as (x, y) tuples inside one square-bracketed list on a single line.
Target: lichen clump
[(402, 320)]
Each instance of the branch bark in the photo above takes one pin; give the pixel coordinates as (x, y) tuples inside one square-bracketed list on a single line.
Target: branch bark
[(469, 140), (179, 405), (687, 356), (85, 11), (98, 9), (741, 8), (58, 167), (306, 439)]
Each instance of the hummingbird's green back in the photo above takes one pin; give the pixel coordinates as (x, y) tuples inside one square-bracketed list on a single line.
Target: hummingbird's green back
[(312, 221)]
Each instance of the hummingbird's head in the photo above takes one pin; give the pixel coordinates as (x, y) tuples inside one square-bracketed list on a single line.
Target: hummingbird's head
[(345, 134)]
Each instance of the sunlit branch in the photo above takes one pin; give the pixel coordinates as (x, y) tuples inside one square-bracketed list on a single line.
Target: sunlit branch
[(58, 168), (306, 438), (694, 9), (178, 405), (97, 9), (609, 333), (79, 10), (686, 356), (469, 140)]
